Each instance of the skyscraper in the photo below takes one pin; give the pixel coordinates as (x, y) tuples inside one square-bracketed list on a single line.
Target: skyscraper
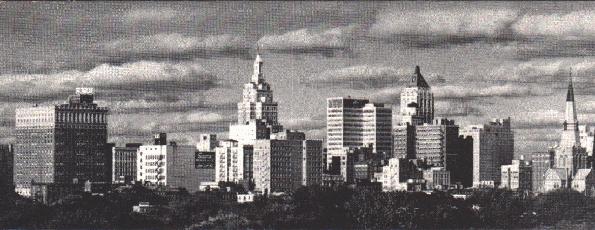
[(493, 146), (62, 144), (417, 101), (358, 123)]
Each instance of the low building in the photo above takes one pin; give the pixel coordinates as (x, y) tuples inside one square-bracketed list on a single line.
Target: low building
[(391, 177), (124, 163), (584, 181), (245, 198), (143, 207), (517, 176), (555, 178), (437, 178)]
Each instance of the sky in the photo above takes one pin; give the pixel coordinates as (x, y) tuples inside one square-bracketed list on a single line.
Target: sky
[(180, 67)]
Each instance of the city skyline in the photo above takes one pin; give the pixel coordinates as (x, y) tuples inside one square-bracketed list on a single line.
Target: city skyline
[(159, 71)]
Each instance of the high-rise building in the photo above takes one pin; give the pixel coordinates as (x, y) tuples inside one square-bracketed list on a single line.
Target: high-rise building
[(493, 146), (6, 166), (435, 143), (169, 165), (207, 142), (257, 100), (62, 144), (358, 123), (417, 101), (285, 165), (540, 163), (124, 163), (517, 176), (233, 162), (205, 164)]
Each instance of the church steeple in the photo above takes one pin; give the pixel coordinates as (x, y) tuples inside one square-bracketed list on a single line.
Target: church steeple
[(570, 134), (570, 94)]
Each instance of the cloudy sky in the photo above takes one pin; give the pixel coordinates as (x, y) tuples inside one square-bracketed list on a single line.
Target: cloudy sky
[(179, 67)]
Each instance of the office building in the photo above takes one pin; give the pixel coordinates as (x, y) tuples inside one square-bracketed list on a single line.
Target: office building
[(62, 144), (124, 163), (493, 146), (394, 175), (417, 101), (233, 162), (205, 164), (358, 123), (6, 166), (540, 163), (517, 176), (285, 165), (169, 165), (257, 112)]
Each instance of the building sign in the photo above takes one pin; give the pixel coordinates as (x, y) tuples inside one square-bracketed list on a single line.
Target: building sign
[(204, 160)]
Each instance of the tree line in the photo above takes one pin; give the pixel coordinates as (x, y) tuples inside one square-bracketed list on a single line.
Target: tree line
[(311, 207)]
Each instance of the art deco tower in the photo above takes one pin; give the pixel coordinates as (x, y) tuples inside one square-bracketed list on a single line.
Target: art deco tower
[(257, 99), (417, 101)]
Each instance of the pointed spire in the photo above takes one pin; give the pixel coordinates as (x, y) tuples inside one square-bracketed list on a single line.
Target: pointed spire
[(570, 94), (417, 80)]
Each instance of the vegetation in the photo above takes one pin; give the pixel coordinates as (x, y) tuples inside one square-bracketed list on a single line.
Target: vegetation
[(307, 208)]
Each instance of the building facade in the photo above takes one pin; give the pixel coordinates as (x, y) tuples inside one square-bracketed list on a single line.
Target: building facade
[(124, 163), (493, 146), (62, 143), (6, 166), (540, 163), (357, 123), (556, 178), (234, 162), (517, 176), (584, 181)]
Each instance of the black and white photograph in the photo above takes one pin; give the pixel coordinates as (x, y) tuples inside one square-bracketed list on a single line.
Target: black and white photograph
[(297, 115)]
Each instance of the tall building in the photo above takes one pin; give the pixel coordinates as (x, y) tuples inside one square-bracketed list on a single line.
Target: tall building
[(435, 143), (285, 165), (517, 176), (257, 100), (6, 165), (233, 162), (540, 163), (205, 164), (207, 142), (493, 146), (62, 144), (169, 165), (358, 123), (124, 163), (417, 101)]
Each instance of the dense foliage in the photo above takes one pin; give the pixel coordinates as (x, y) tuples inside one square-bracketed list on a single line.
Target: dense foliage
[(309, 207)]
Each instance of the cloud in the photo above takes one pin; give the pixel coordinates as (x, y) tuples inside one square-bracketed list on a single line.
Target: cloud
[(368, 76), (328, 42), (477, 91), (570, 26), (151, 15), (432, 27), (174, 46), (130, 80)]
